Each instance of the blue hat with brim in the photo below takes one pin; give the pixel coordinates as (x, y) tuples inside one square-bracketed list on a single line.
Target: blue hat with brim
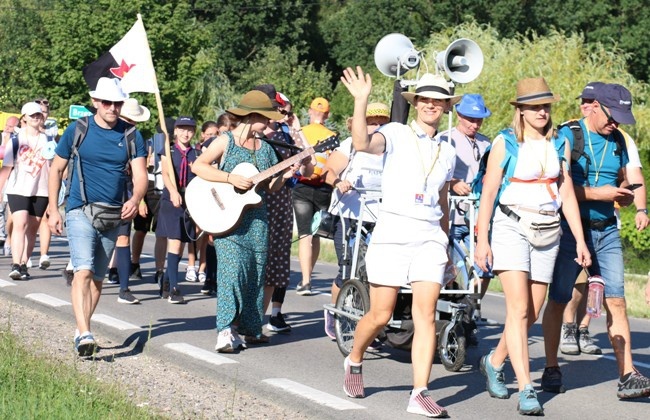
[(472, 106), (619, 102)]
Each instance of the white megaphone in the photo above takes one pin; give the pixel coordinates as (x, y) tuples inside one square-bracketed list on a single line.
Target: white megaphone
[(395, 55), (462, 60)]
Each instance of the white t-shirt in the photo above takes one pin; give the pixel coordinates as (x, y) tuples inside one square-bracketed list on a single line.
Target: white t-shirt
[(31, 168), (537, 159), (364, 171)]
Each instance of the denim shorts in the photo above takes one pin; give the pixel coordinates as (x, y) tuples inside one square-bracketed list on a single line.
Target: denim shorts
[(607, 262), (89, 248)]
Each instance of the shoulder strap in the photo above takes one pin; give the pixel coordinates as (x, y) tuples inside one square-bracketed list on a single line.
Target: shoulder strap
[(222, 161), (15, 145), (80, 131), (511, 152), (620, 142), (129, 134)]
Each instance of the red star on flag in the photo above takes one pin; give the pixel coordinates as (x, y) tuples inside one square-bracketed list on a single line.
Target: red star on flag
[(122, 69)]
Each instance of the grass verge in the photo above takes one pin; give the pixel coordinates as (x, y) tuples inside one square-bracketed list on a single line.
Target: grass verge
[(35, 388)]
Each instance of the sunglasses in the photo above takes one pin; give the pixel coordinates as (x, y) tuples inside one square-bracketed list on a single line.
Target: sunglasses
[(108, 104), (477, 151), (285, 112), (42, 102), (610, 120)]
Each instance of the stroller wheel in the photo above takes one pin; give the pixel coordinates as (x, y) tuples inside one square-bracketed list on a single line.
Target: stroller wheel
[(353, 299), (452, 347)]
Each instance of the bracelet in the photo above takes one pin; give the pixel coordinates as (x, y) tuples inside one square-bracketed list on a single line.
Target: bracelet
[(228, 177), (642, 211)]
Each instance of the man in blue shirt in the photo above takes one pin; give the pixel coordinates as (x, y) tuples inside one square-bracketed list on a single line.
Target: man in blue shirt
[(107, 160), (595, 183)]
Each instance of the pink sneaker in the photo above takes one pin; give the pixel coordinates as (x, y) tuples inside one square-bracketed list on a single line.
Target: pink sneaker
[(353, 382), (422, 403)]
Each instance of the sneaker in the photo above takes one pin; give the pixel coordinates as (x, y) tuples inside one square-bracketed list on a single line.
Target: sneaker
[(353, 382), (175, 296), (304, 290), (329, 324), (209, 288), (278, 324), (164, 288), (113, 277), (85, 345), (28, 264), (190, 275), (135, 272), (495, 378), (228, 341), (635, 386), (14, 274), (422, 403), (569, 339), (586, 343), (24, 274), (68, 275), (202, 277), (158, 277), (126, 296), (552, 380), (528, 404), (44, 262), (237, 342), (7, 249)]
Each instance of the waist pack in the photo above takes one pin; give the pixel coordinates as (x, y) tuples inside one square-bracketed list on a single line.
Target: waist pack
[(103, 216), (539, 234), (323, 224)]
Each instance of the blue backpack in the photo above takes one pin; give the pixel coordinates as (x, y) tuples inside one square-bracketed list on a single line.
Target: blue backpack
[(508, 164)]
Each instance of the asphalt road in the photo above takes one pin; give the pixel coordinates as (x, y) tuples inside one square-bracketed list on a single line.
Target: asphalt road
[(303, 369)]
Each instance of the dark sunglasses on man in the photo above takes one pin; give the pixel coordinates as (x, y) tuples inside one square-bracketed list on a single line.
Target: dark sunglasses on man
[(42, 102)]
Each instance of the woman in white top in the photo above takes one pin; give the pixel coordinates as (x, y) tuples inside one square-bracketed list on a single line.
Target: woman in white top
[(27, 189), (539, 186)]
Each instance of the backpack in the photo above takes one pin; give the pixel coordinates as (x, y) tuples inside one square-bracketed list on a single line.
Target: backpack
[(508, 164), (80, 131), (579, 144)]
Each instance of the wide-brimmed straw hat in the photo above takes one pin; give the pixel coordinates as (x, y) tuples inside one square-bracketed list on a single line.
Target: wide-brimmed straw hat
[(534, 91), (134, 111), (431, 86), (256, 102)]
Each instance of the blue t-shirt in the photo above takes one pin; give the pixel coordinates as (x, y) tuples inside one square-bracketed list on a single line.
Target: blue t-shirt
[(607, 173), (104, 156)]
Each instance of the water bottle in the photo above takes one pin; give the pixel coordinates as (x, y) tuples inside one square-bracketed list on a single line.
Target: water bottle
[(595, 296)]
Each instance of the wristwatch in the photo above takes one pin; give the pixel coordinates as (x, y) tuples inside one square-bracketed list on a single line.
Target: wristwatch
[(642, 211)]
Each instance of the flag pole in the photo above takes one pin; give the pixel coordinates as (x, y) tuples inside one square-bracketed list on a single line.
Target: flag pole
[(161, 119)]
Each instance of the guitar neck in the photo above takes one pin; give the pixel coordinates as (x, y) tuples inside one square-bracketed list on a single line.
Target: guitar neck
[(282, 165)]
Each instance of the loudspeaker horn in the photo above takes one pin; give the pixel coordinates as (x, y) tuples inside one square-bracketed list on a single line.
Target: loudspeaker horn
[(395, 55), (462, 60)]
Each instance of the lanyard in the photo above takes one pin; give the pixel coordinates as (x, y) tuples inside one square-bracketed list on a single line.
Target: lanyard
[(602, 157), (422, 159)]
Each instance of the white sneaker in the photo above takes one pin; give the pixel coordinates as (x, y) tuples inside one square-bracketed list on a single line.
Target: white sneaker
[(202, 277), (225, 342), (29, 263), (190, 275), (44, 262)]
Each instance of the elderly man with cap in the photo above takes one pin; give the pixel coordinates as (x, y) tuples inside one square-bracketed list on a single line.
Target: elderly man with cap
[(100, 161), (597, 192), (409, 242)]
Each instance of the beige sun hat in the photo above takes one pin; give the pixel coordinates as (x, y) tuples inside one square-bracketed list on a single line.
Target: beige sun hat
[(256, 102), (134, 111), (534, 91), (431, 86), (377, 109)]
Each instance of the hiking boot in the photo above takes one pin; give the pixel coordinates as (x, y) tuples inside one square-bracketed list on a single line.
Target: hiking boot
[(278, 324), (552, 380), (422, 403), (175, 296), (126, 296), (190, 275), (44, 262), (329, 324), (135, 272), (353, 381), (528, 404), (586, 343), (495, 378), (14, 274), (113, 277), (24, 274), (209, 288), (635, 386), (85, 345), (304, 290), (569, 339)]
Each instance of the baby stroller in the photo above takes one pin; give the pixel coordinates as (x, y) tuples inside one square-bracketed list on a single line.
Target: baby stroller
[(453, 317)]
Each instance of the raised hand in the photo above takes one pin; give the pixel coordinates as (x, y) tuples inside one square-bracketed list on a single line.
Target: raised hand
[(358, 84)]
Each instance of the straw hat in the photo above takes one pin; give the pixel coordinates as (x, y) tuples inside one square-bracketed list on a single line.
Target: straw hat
[(431, 86), (377, 109), (534, 91), (256, 102), (134, 111)]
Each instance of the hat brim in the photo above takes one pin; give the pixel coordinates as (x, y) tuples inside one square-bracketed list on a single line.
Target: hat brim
[(543, 101), (271, 115), (146, 114), (622, 117), (117, 98), (474, 114), (410, 97)]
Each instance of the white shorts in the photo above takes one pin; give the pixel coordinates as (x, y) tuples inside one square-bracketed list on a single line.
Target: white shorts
[(399, 264), (511, 250)]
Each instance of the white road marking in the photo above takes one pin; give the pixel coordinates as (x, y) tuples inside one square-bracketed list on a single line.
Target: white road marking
[(313, 394), (114, 322), (5, 283), (199, 353), (47, 299), (636, 363)]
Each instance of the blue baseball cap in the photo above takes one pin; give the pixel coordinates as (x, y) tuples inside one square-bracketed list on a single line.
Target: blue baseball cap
[(619, 102), (185, 122), (590, 90), (472, 106)]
